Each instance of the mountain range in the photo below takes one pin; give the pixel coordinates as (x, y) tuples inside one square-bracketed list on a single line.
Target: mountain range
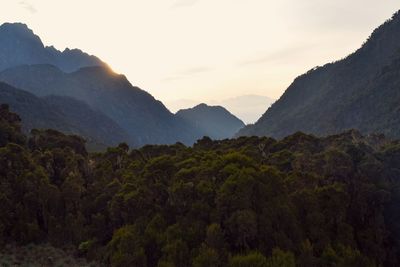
[(44, 71), (361, 91), (144, 118)]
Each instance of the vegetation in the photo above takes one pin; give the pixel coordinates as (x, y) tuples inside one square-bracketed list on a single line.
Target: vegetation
[(301, 201), (34, 255)]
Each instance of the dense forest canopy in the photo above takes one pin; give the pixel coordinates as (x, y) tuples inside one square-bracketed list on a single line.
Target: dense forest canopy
[(301, 201)]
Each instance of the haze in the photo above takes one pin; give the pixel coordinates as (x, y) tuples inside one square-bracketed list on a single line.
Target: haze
[(205, 50)]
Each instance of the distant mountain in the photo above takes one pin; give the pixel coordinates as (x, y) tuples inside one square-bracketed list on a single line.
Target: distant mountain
[(64, 114), (213, 121), (145, 119), (248, 108), (361, 91), (19, 45)]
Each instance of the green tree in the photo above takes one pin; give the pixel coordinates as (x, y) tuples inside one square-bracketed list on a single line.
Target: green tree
[(280, 258), (252, 259), (125, 248)]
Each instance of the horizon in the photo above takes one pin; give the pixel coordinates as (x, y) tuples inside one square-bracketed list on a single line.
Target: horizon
[(176, 59)]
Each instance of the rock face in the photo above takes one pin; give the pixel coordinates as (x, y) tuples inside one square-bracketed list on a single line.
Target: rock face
[(361, 91), (213, 121), (19, 45), (64, 114)]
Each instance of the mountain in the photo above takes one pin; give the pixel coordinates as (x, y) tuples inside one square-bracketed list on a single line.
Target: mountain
[(248, 108), (64, 114), (19, 45), (212, 121), (25, 63), (144, 118), (360, 91)]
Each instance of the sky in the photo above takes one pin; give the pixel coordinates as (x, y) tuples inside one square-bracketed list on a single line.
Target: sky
[(205, 50)]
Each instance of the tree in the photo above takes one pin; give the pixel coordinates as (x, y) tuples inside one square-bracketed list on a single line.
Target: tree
[(252, 259), (125, 248), (281, 258)]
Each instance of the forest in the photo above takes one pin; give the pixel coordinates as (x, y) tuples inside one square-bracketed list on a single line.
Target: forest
[(250, 201)]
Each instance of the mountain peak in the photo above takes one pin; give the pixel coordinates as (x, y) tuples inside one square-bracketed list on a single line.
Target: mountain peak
[(203, 106), (18, 32), (213, 121), (16, 26), (20, 46)]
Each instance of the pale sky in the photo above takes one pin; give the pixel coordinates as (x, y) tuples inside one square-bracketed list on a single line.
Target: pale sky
[(205, 49)]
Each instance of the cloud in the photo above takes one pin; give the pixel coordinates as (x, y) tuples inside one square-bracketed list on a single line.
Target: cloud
[(184, 3), (28, 6)]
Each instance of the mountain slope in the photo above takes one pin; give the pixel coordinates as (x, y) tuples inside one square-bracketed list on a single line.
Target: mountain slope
[(144, 118), (334, 97), (64, 114), (19, 45), (213, 121)]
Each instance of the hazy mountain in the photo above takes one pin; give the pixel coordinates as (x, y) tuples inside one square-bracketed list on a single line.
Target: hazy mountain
[(144, 118), (19, 45), (64, 114), (248, 108), (360, 91), (213, 121)]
